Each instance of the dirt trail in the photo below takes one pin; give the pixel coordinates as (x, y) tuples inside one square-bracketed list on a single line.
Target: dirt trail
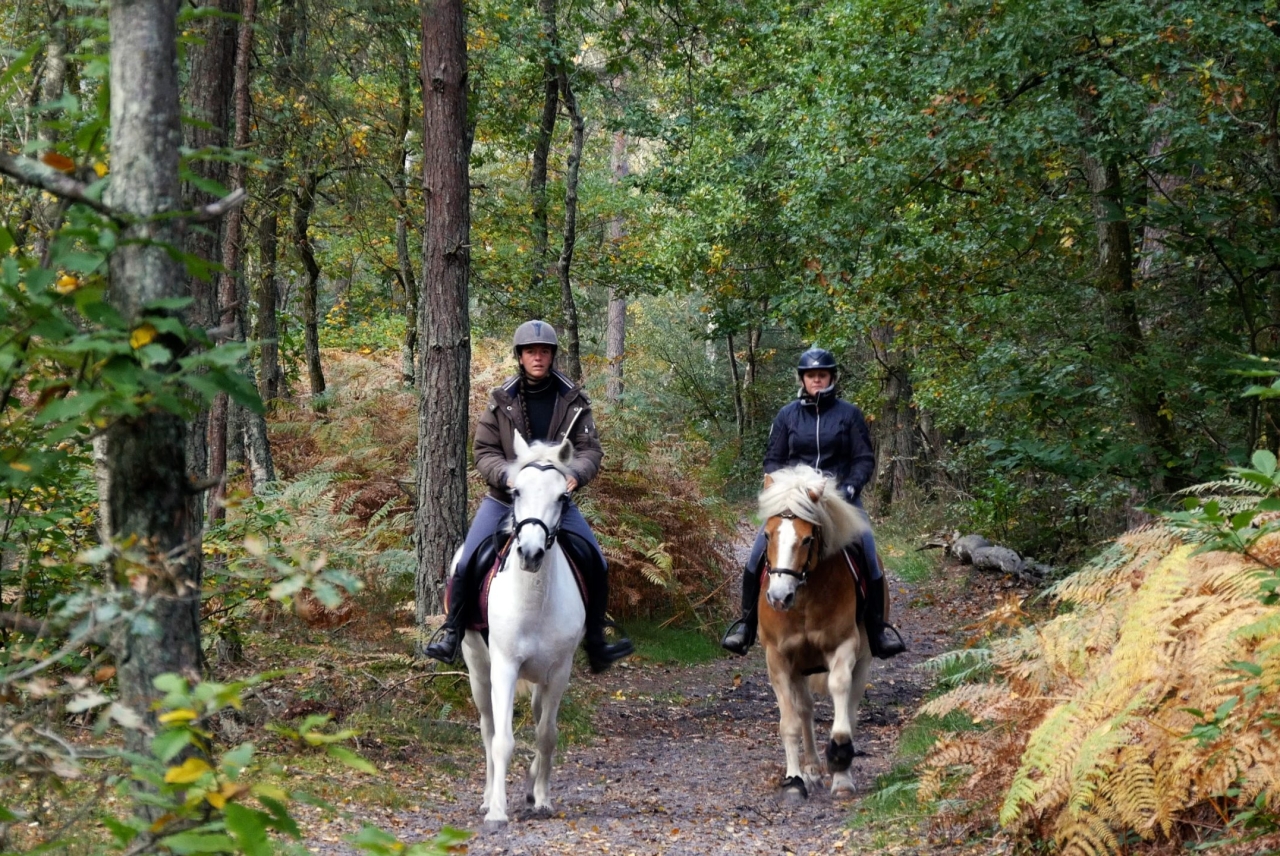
[(688, 760)]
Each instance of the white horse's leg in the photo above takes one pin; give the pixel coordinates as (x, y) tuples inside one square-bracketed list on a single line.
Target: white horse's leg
[(476, 655), (547, 732), (535, 708), (846, 681), (502, 675), (791, 703)]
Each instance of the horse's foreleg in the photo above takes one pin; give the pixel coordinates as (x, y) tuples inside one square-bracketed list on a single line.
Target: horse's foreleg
[(847, 682), (502, 677), (547, 732), (477, 659), (795, 716)]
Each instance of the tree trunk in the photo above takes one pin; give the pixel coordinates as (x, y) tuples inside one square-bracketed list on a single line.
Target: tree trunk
[(229, 315), (270, 373), (148, 498), (209, 87), (304, 204), (549, 42), (616, 332), (444, 326), (896, 428), (46, 212), (739, 409), (568, 307), (408, 281)]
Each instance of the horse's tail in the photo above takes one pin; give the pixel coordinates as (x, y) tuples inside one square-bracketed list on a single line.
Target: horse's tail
[(523, 687)]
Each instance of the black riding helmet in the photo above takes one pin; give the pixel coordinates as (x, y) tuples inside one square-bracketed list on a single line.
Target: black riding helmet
[(815, 359), (534, 333)]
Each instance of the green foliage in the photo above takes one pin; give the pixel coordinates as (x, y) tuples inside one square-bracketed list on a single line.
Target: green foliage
[(660, 643)]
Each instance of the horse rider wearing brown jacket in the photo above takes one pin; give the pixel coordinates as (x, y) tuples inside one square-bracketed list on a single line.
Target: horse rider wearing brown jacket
[(541, 404)]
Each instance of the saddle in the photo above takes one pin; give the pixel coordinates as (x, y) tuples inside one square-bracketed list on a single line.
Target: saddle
[(488, 561)]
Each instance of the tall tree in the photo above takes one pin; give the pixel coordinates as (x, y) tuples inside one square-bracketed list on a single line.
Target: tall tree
[(564, 267), (616, 329), (149, 496), (444, 327)]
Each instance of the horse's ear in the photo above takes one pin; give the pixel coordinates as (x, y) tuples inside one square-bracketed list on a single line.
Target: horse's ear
[(518, 444), (768, 481), (564, 452), (816, 491)]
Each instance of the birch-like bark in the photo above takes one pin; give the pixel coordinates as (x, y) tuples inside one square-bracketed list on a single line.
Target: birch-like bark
[(571, 347), (444, 326), (615, 350), (549, 43)]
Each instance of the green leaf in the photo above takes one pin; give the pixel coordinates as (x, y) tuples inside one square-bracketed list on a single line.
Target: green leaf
[(16, 66), (70, 407), (1264, 462), (121, 832), (249, 828), (198, 842), (352, 760), (168, 743)]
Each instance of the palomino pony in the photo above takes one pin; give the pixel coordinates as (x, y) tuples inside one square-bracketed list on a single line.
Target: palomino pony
[(809, 621), (536, 620)]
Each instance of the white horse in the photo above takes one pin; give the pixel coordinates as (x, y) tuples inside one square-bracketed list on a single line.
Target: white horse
[(536, 620)]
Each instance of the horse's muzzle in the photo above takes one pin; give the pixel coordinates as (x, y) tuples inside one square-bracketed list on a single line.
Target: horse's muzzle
[(531, 560)]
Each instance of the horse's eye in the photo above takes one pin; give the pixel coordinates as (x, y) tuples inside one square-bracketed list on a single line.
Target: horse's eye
[(808, 539), (514, 493)]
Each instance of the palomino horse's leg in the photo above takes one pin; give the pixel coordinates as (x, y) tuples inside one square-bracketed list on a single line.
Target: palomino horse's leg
[(847, 681), (795, 724), (476, 655), (546, 715), (502, 677)]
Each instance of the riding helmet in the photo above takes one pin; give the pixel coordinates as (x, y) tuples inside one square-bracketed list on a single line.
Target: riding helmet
[(534, 333), (814, 359)]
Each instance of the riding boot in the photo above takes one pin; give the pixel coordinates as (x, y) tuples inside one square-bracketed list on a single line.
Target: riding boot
[(443, 645), (600, 653), (742, 633), (885, 640)]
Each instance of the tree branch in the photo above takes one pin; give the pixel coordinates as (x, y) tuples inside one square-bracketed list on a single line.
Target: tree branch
[(36, 174)]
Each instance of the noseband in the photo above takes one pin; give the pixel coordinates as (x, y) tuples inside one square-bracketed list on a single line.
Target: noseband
[(552, 531), (802, 575)]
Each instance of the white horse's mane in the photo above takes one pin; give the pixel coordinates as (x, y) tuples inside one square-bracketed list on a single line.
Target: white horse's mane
[(790, 493)]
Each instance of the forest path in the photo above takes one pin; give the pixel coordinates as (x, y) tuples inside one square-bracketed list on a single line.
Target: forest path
[(687, 760)]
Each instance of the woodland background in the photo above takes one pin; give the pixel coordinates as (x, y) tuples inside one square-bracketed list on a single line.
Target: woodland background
[(1041, 237)]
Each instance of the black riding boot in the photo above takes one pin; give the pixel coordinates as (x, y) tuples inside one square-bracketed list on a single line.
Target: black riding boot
[(742, 633), (600, 653), (886, 642), (444, 643)]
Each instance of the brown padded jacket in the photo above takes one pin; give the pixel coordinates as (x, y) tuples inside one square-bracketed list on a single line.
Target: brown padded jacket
[(495, 433)]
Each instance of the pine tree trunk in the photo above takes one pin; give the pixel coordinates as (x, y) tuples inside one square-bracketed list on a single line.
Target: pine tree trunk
[(304, 204), (550, 45), (444, 325), (571, 348), (739, 409), (896, 427), (147, 492)]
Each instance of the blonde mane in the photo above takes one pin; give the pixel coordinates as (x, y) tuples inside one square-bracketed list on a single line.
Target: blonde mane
[(790, 493)]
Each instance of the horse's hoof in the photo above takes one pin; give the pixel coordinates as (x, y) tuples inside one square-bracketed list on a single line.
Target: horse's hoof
[(839, 756), (489, 827), (541, 812), (794, 791)]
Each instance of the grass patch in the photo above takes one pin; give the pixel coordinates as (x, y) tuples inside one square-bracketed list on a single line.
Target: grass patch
[(898, 542), (893, 803), (677, 645)]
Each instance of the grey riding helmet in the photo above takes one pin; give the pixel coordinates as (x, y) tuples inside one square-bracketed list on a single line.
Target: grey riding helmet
[(534, 333), (814, 359)]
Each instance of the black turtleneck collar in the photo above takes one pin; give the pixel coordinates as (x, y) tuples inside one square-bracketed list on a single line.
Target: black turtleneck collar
[(822, 400)]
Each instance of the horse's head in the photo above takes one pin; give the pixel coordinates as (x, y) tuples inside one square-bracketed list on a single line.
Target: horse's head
[(539, 493), (794, 547), (806, 520)]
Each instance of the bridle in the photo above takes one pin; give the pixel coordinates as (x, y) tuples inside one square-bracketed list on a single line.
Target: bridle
[(552, 532), (814, 549)]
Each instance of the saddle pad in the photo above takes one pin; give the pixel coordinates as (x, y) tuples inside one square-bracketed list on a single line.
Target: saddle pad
[(478, 617)]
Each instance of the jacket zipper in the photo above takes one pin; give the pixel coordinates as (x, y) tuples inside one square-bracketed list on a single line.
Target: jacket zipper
[(817, 435)]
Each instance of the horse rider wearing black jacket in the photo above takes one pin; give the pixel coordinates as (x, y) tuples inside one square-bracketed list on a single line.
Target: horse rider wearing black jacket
[(829, 434)]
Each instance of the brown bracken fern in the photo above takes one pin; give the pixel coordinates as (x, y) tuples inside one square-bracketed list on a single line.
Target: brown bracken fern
[(1147, 645)]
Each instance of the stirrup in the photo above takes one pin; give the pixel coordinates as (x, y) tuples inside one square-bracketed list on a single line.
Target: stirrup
[(439, 647), (738, 638), (882, 647)]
